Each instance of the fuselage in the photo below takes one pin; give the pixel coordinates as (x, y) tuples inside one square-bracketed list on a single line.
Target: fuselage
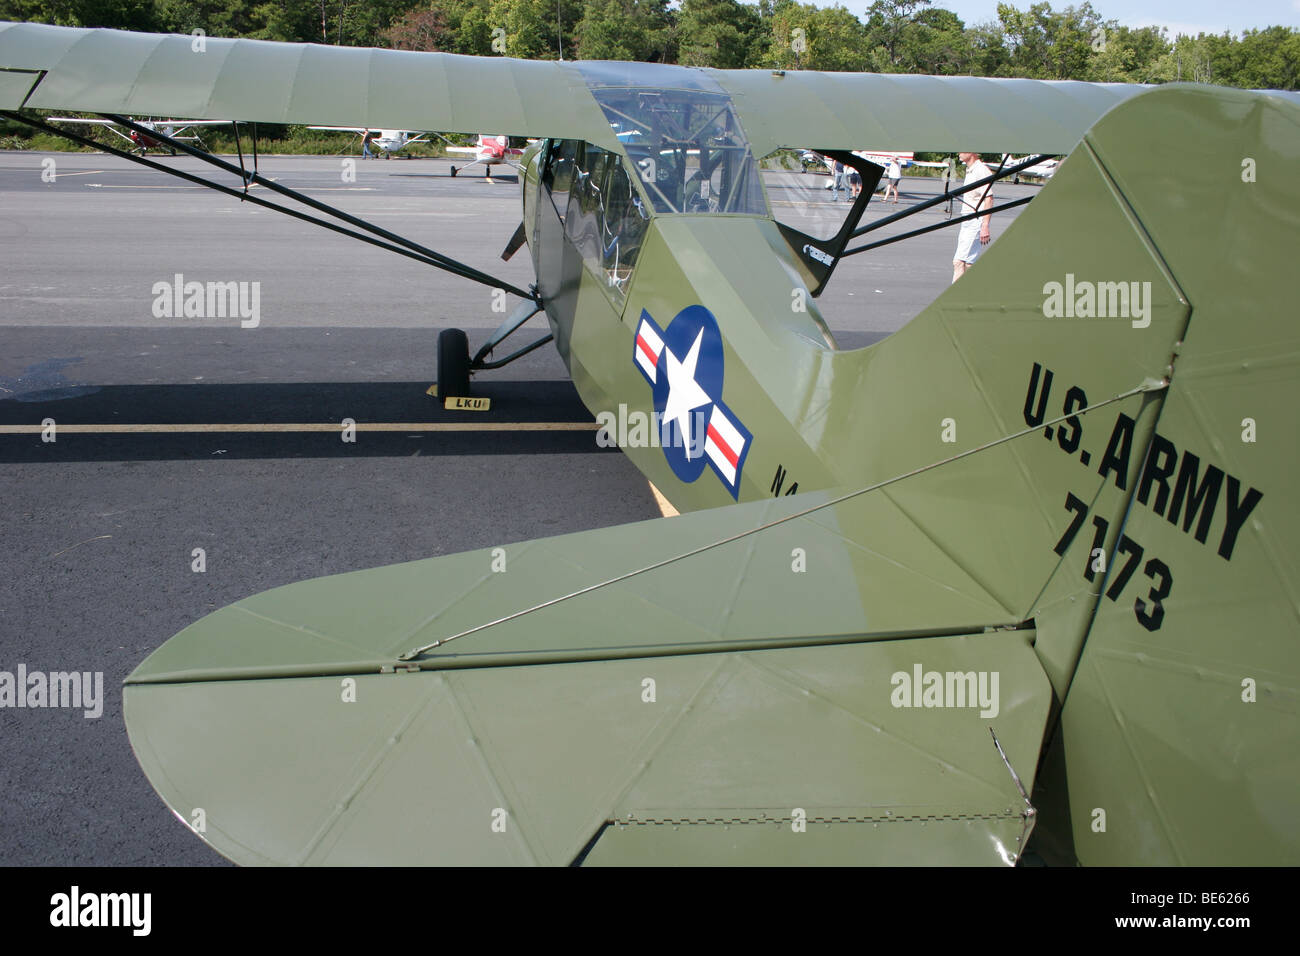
[(495, 150), (681, 311), (615, 282)]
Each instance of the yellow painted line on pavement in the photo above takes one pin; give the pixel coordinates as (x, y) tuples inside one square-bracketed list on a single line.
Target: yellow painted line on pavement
[(665, 506)]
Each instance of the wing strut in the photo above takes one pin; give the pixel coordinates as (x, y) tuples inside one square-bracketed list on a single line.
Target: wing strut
[(829, 251), (240, 150), (947, 196), (386, 240), (522, 314)]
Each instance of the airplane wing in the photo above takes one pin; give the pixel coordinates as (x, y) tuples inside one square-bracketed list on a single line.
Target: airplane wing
[(905, 159), (107, 124), (175, 123), (45, 67), (843, 110), (148, 74), (111, 71)]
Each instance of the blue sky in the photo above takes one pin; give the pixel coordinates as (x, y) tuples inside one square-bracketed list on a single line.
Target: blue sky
[(1179, 16)]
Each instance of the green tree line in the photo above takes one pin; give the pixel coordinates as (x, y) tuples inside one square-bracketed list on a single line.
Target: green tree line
[(895, 36)]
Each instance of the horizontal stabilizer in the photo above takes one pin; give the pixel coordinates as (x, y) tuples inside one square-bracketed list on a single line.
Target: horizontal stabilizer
[(596, 690)]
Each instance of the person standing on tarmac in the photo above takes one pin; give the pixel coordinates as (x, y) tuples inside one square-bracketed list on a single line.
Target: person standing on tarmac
[(975, 233), (894, 173)]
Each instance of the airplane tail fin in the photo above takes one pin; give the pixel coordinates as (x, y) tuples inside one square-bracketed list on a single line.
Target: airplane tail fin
[(1179, 741), (1138, 321)]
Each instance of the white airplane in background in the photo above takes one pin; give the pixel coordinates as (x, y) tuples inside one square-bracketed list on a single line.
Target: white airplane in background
[(386, 141), (905, 159), (1044, 170), (140, 141), (490, 151), (811, 160)]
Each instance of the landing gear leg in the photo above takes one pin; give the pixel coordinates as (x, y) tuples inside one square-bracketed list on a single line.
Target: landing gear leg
[(453, 364)]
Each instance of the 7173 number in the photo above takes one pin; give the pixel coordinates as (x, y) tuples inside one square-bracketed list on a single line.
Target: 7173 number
[(1151, 615)]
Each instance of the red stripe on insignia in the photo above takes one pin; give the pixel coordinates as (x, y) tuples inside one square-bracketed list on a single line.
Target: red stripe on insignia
[(723, 447), (644, 346)]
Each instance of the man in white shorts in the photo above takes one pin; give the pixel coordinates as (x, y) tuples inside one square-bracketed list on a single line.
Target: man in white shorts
[(975, 234), (894, 173)]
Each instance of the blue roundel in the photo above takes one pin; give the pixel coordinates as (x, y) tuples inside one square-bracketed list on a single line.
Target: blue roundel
[(693, 371)]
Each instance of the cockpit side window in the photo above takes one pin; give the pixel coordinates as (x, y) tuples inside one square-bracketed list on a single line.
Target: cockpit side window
[(561, 166), (604, 216)]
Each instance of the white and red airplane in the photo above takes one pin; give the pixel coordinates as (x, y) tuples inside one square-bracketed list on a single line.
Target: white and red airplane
[(490, 151), (142, 142)]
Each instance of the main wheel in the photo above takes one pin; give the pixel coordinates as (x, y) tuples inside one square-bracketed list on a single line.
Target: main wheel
[(453, 172), (453, 364)]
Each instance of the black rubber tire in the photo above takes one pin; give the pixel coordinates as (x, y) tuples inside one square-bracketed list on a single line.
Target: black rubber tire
[(453, 172), (453, 364)]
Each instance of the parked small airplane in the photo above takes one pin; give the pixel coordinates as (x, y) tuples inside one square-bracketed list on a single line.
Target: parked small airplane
[(490, 151), (1043, 171), (905, 159), (386, 141), (814, 160), (140, 138), (1027, 566)]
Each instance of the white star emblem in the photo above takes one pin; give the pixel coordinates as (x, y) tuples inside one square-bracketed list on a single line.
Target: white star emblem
[(684, 393)]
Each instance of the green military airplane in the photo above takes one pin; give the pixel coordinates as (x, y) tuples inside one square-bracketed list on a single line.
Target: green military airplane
[(1040, 573)]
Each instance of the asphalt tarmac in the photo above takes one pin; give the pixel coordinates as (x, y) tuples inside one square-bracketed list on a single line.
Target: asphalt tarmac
[(98, 530)]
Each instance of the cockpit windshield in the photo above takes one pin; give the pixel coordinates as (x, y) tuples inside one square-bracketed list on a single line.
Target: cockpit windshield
[(688, 148)]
